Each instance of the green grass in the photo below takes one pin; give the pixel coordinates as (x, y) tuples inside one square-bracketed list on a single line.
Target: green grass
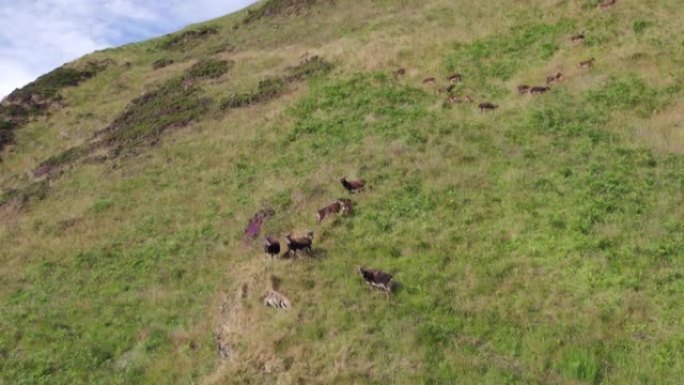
[(540, 243)]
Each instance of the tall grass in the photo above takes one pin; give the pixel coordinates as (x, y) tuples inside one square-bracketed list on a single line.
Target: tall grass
[(540, 243)]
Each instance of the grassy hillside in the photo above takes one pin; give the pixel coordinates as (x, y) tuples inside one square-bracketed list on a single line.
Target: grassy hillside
[(539, 243)]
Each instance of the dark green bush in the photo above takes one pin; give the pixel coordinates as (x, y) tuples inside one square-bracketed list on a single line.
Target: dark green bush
[(267, 89), (186, 38), (174, 104), (161, 63), (209, 68), (276, 7), (312, 66), (501, 56), (65, 157), (48, 86)]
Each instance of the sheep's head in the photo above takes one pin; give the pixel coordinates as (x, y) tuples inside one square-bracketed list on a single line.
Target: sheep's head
[(310, 234)]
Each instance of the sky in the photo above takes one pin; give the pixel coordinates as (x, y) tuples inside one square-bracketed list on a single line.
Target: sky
[(40, 35)]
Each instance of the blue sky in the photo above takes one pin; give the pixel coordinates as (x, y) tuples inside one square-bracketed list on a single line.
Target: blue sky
[(40, 35)]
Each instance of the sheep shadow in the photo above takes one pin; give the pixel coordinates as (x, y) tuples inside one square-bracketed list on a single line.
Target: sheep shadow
[(315, 254), (397, 287)]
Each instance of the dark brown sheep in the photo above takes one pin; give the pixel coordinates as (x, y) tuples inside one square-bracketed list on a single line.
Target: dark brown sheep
[(577, 39), (430, 80), (400, 72), (328, 210), (554, 78), (272, 246), (523, 89), (378, 279), (539, 90), (347, 205), (608, 3), (587, 63), (446, 90), (353, 185), (487, 106)]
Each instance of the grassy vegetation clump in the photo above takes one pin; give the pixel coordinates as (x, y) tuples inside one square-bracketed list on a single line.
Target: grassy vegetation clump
[(539, 243), (174, 104), (342, 112), (188, 38), (161, 63), (33, 191), (209, 68), (271, 87), (66, 157), (33, 99), (267, 89), (631, 92), (501, 56), (309, 67), (272, 8), (11, 116), (48, 86)]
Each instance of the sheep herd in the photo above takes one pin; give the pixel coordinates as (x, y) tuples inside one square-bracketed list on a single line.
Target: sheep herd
[(374, 278), (455, 78)]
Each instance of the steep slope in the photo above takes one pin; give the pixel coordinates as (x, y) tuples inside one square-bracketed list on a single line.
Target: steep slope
[(538, 243)]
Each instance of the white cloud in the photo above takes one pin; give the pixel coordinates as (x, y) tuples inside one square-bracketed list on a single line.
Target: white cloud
[(40, 35)]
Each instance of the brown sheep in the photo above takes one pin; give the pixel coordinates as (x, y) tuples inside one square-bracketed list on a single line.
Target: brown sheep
[(400, 72), (328, 210), (608, 3), (554, 78), (347, 205), (378, 279), (353, 185), (577, 39), (454, 78), (300, 243), (430, 80), (539, 90), (587, 63), (487, 106), (523, 89)]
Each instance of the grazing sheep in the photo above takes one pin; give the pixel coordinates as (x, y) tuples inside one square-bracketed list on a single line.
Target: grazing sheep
[(378, 279), (272, 246), (608, 4), (302, 243), (353, 185), (487, 106), (276, 300), (523, 89), (455, 99), (587, 63), (347, 205), (223, 348), (455, 78), (328, 210), (446, 90), (430, 80), (576, 39), (539, 90), (400, 72), (554, 78)]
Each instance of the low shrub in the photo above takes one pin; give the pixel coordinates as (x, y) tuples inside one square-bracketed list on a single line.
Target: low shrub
[(183, 39), (209, 68)]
